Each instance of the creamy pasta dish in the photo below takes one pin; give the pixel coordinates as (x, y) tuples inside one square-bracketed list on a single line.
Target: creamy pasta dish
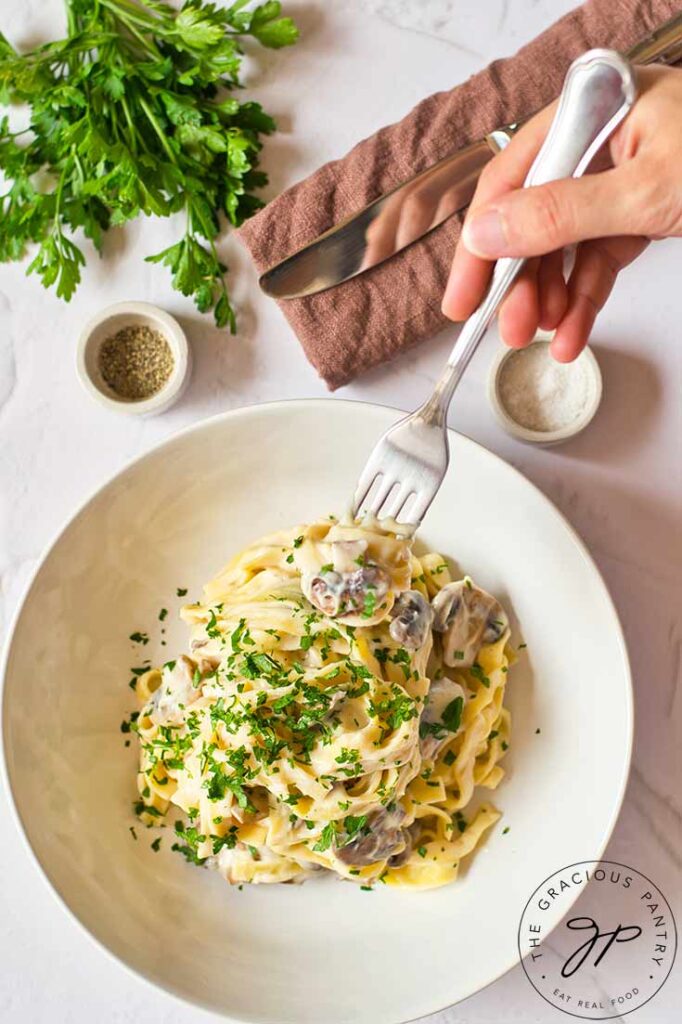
[(340, 700)]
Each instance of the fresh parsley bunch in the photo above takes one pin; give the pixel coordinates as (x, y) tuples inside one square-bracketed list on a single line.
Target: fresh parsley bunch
[(133, 113)]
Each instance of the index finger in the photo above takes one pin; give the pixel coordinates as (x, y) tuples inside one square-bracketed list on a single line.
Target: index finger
[(469, 274)]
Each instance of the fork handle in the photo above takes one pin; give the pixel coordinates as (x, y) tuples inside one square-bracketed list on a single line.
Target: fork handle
[(598, 92)]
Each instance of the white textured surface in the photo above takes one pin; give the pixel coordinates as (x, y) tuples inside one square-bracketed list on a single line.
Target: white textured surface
[(270, 953), (361, 64)]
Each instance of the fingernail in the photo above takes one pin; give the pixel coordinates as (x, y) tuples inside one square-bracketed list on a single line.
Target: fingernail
[(484, 234)]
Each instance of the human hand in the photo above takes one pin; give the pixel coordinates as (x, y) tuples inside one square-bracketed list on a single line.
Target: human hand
[(612, 214)]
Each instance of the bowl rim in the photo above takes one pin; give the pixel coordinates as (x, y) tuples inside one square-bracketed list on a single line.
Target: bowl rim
[(542, 437), (174, 335), (267, 408)]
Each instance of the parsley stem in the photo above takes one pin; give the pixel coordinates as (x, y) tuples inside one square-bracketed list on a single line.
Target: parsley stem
[(130, 19), (157, 128), (133, 131)]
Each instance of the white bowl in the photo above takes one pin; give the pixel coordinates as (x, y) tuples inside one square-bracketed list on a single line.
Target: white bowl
[(324, 951), (107, 323), (544, 438)]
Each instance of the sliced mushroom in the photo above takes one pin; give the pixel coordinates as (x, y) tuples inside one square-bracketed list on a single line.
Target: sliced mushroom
[(324, 591), (441, 718), (176, 692), (382, 837), (468, 617), (411, 616), (368, 582), (346, 593), (409, 836)]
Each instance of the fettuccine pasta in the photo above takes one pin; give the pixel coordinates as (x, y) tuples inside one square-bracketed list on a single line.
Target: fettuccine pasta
[(340, 702)]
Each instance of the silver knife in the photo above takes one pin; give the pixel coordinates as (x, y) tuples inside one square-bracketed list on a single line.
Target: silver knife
[(416, 206)]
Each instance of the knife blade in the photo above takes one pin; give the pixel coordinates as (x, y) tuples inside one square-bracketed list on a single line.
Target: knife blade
[(386, 226), (414, 207)]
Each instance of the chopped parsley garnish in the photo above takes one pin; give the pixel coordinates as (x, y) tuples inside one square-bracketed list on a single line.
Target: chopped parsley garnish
[(139, 638), (298, 541), (353, 825), (478, 673), (219, 782), (128, 725), (350, 760), (421, 850), (450, 758), (370, 604), (452, 715), (181, 591), (237, 636), (505, 830), (189, 848), (140, 808), (156, 844), (398, 708), (329, 567), (326, 838), (458, 655), (289, 559), (256, 666), (162, 614), (401, 657), (212, 629)]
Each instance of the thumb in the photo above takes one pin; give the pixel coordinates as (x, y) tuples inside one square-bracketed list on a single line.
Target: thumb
[(537, 220)]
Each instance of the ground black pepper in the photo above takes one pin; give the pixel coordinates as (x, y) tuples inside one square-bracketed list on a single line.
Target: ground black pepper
[(136, 362)]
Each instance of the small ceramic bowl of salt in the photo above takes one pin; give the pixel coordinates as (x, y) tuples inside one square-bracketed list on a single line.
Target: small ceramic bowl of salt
[(540, 401)]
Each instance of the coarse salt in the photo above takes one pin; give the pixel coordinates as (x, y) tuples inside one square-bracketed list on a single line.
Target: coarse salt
[(541, 394)]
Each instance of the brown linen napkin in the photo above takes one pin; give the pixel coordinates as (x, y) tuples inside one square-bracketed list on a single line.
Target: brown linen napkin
[(371, 318)]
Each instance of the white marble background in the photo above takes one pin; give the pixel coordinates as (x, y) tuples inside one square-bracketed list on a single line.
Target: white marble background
[(360, 64)]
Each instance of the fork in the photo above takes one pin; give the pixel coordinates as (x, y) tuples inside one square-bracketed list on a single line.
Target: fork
[(406, 468)]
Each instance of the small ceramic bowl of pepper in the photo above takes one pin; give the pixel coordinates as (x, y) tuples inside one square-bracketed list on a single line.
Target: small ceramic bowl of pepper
[(133, 357)]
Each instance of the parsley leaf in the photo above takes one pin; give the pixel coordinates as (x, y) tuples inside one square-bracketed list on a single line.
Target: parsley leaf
[(326, 838), (452, 715)]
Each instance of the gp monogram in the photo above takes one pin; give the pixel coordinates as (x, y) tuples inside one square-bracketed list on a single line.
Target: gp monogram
[(613, 950)]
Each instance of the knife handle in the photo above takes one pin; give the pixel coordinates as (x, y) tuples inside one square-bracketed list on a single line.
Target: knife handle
[(664, 44), (598, 92)]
